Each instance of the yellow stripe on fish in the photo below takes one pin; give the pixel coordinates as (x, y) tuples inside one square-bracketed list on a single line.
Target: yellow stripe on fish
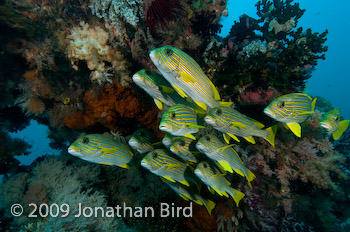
[(97, 148), (180, 120), (142, 140), (159, 89), (225, 155), (160, 163), (215, 180), (291, 109), (186, 76), (181, 148), (233, 123)]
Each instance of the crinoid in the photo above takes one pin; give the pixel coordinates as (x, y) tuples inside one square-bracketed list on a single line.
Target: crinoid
[(161, 12)]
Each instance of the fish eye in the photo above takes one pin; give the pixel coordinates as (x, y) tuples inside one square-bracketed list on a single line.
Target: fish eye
[(85, 140), (142, 133), (281, 104), (155, 155), (205, 165), (207, 138), (148, 72), (219, 112), (172, 115), (182, 143), (168, 52)]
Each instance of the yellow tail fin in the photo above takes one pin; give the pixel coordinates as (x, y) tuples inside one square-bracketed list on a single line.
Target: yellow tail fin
[(210, 206), (250, 177), (237, 196), (343, 125), (271, 135)]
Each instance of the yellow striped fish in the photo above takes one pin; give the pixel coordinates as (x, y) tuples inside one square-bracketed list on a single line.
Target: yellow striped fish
[(291, 109), (159, 89), (187, 196), (160, 163), (225, 155), (180, 120), (142, 140), (101, 149), (181, 148), (331, 122), (216, 181), (232, 123), (168, 139), (186, 76)]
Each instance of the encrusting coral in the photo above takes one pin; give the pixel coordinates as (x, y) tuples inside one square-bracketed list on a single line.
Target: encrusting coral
[(114, 108)]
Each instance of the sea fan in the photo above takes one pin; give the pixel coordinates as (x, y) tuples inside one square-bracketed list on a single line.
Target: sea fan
[(161, 12)]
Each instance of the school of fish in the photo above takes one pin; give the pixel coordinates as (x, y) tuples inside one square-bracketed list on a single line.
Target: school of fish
[(189, 102)]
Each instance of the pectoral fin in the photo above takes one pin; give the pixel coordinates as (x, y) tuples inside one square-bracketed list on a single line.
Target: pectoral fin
[(201, 105), (166, 89), (180, 91), (225, 165), (159, 104), (295, 128), (190, 136), (195, 126), (185, 77)]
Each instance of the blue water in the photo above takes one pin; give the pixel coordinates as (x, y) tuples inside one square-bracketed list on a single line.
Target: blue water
[(331, 78)]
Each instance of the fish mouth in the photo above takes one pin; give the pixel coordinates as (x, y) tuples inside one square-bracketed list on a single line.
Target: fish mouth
[(153, 56), (74, 152), (268, 112), (198, 173), (144, 163), (166, 142), (172, 149), (164, 127), (325, 125), (137, 78), (200, 147), (134, 144), (210, 120)]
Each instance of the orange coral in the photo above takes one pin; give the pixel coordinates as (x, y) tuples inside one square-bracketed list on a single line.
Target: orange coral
[(116, 108)]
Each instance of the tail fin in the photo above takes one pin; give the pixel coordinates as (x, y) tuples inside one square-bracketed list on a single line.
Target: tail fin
[(210, 205), (271, 135), (237, 196), (313, 104), (250, 177), (343, 125)]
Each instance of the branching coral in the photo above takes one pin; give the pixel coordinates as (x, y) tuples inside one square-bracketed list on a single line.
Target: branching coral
[(270, 51)]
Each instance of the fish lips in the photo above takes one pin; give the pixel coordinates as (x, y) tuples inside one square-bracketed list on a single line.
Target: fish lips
[(268, 112), (74, 152), (165, 127), (134, 143), (200, 147), (325, 125), (210, 120)]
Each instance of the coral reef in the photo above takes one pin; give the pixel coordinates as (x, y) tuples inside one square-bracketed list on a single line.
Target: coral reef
[(68, 64)]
